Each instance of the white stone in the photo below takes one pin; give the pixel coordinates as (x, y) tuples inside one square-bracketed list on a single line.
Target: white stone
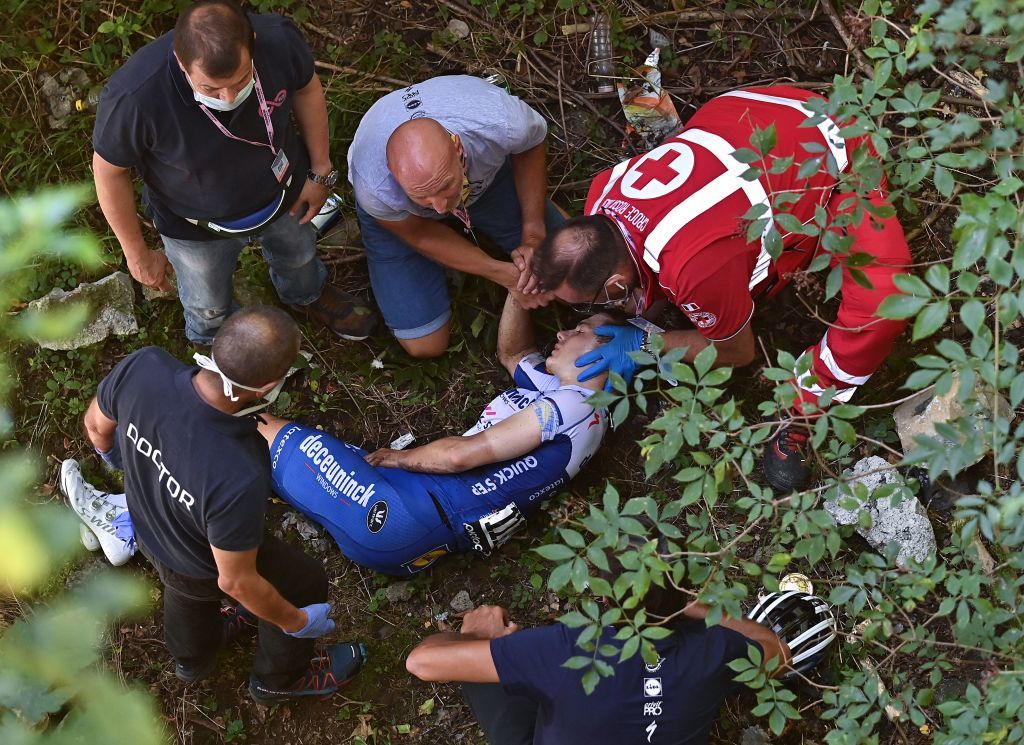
[(111, 302), (920, 414), (905, 523), (461, 602), (457, 28)]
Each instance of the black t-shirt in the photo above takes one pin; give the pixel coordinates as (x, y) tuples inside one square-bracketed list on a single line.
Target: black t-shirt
[(194, 476), (672, 702), (148, 119)]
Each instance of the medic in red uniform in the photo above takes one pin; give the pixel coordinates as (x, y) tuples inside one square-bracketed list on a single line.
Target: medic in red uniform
[(671, 224)]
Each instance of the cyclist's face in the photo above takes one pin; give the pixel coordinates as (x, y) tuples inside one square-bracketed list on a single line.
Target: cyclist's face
[(571, 343)]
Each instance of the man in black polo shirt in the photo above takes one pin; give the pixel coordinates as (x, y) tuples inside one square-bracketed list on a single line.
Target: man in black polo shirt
[(204, 114), (196, 480)]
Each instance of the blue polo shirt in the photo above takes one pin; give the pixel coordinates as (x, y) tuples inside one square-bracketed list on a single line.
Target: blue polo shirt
[(149, 120), (672, 702)]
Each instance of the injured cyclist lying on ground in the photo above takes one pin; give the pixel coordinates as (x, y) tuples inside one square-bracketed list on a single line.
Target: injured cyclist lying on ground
[(398, 511)]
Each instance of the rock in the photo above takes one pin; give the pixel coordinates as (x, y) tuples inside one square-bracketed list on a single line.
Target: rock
[(399, 592), (461, 602), (919, 415), (753, 736), (457, 28), (905, 523), (110, 302), (60, 92)]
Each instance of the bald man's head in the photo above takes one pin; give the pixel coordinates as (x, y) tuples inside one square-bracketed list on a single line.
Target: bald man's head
[(427, 163)]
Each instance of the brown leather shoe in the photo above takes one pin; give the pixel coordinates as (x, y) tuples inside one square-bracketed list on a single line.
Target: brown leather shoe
[(342, 313)]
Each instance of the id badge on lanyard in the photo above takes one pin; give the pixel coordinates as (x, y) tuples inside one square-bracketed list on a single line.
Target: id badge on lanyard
[(279, 166)]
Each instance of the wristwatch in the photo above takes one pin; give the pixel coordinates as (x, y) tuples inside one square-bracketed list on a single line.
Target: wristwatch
[(329, 180)]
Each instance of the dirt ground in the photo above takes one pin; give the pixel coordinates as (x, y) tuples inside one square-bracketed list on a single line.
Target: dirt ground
[(368, 393)]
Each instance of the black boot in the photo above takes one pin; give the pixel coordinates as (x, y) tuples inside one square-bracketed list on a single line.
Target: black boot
[(785, 459)]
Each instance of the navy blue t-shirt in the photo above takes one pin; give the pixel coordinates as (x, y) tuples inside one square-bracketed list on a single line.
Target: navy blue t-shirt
[(673, 702), (148, 119), (194, 476)]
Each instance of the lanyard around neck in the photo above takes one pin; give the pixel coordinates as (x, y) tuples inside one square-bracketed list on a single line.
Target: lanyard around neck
[(264, 112)]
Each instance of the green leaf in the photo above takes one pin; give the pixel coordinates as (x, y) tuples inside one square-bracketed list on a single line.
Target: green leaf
[(944, 181), (930, 320), (620, 412), (577, 663), (834, 281), (972, 313), (571, 537), (704, 360), (911, 285), (901, 306), (1017, 390), (938, 277), (555, 552), (844, 431)]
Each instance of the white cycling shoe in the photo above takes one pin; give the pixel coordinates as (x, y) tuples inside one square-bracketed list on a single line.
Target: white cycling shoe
[(91, 542), (98, 512)]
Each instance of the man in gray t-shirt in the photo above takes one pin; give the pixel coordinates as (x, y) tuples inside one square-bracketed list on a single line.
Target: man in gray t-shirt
[(453, 146)]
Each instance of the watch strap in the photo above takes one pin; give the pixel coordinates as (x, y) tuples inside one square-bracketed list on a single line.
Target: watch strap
[(327, 180)]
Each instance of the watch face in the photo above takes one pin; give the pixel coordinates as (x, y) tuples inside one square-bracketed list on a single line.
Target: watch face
[(331, 178)]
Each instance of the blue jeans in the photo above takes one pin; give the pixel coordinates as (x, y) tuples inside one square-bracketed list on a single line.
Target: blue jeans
[(204, 270), (412, 290)]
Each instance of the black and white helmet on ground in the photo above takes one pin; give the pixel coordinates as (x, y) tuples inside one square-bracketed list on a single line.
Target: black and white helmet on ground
[(805, 622)]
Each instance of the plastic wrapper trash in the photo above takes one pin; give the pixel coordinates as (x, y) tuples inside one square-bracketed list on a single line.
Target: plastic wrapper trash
[(650, 114)]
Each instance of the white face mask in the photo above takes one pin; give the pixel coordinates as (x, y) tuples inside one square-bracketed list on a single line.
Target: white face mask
[(218, 105)]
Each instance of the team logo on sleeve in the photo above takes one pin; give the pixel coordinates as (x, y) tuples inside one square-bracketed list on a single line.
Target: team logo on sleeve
[(702, 319)]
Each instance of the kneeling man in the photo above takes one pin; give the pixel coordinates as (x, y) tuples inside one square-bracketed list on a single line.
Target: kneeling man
[(398, 511)]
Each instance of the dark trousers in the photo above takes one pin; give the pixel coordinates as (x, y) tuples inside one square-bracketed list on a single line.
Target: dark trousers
[(505, 719), (193, 629)]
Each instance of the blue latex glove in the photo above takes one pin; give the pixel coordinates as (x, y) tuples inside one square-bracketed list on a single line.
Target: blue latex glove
[(317, 622), (124, 529), (112, 457), (613, 356)]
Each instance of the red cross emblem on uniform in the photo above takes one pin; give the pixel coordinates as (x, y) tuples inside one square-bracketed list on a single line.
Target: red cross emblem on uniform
[(660, 171)]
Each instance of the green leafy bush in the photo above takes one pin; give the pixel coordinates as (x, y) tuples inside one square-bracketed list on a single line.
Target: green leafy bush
[(52, 687), (937, 646)]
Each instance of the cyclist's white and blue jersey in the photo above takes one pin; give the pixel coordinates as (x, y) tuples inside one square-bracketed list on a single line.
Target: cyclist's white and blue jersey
[(400, 522)]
